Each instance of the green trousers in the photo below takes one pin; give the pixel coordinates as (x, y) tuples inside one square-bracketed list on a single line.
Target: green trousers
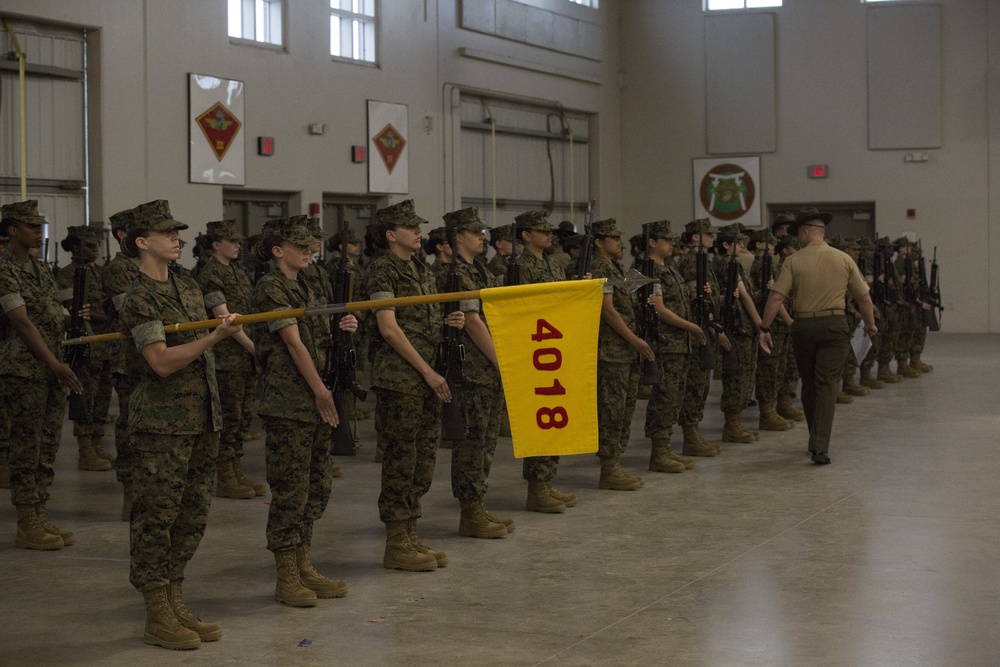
[(820, 345)]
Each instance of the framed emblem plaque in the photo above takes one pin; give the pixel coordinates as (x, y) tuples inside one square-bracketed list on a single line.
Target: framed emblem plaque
[(217, 146), (727, 190)]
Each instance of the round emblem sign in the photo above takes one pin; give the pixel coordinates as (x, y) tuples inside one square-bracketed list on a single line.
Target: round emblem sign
[(727, 192)]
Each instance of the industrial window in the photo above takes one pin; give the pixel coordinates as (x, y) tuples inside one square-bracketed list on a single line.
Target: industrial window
[(586, 3), (713, 5), (257, 21), (352, 30)]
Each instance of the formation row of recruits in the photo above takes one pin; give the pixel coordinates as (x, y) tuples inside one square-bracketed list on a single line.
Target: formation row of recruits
[(186, 400)]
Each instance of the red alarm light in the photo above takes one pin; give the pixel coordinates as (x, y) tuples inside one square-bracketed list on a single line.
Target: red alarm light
[(817, 171)]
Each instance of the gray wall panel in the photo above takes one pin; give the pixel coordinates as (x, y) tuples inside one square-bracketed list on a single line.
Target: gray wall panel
[(740, 83), (904, 76)]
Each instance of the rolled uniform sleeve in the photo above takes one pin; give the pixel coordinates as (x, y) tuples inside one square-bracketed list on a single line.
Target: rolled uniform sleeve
[(148, 333), (213, 299)]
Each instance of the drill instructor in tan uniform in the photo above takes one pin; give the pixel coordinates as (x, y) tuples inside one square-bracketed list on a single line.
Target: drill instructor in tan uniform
[(816, 278)]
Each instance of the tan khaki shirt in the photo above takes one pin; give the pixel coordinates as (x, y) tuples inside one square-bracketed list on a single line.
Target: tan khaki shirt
[(818, 277)]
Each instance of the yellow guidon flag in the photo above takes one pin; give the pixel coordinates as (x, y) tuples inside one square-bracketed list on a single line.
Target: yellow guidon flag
[(545, 336)]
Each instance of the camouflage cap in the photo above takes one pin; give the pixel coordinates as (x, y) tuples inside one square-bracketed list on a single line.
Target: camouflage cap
[(574, 241), (764, 235), (733, 233), (399, 215), (865, 243), (84, 233), (25, 212), (155, 217), (225, 229), (438, 235), (315, 227), (902, 241), (536, 220), (466, 218), (349, 236), (701, 225), (290, 230), (121, 220), (782, 220), (607, 227), (660, 230), (850, 244), (501, 233), (884, 242)]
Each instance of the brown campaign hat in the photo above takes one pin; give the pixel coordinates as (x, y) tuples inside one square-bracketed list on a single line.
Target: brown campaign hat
[(809, 214)]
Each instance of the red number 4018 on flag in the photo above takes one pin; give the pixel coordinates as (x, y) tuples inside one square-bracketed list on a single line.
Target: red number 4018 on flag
[(549, 359)]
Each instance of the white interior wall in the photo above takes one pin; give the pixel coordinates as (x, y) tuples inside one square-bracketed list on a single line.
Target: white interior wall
[(822, 119)]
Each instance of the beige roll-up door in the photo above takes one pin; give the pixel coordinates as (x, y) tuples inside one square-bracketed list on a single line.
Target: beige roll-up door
[(537, 166), (55, 124)]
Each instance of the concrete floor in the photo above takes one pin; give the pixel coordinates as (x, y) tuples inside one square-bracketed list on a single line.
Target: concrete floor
[(886, 557)]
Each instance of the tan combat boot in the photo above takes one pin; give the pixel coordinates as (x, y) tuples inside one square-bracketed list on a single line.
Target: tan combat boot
[(904, 369), (849, 386), (567, 499), (440, 557), (733, 430), (915, 362), (885, 374), (400, 554), (89, 460), (660, 459), (289, 588), (322, 586), (127, 500), (336, 471), (67, 537), (4, 469), (788, 411), (258, 489), (207, 632), (694, 444), (474, 522), (540, 500), (99, 452), (507, 522), (614, 478), (844, 399), (31, 533), (227, 485), (162, 626), (868, 380), (770, 420)]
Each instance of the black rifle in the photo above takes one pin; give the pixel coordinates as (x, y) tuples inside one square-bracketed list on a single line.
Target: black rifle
[(79, 404), (702, 307), (649, 320), (766, 268), (586, 245), (340, 370), (930, 293), (451, 356), (910, 293), (512, 276), (107, 247), (879, 297), (731, 310)]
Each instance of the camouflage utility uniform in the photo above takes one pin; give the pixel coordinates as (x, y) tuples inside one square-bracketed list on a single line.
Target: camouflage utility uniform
[(174, 425), (407, 411)]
